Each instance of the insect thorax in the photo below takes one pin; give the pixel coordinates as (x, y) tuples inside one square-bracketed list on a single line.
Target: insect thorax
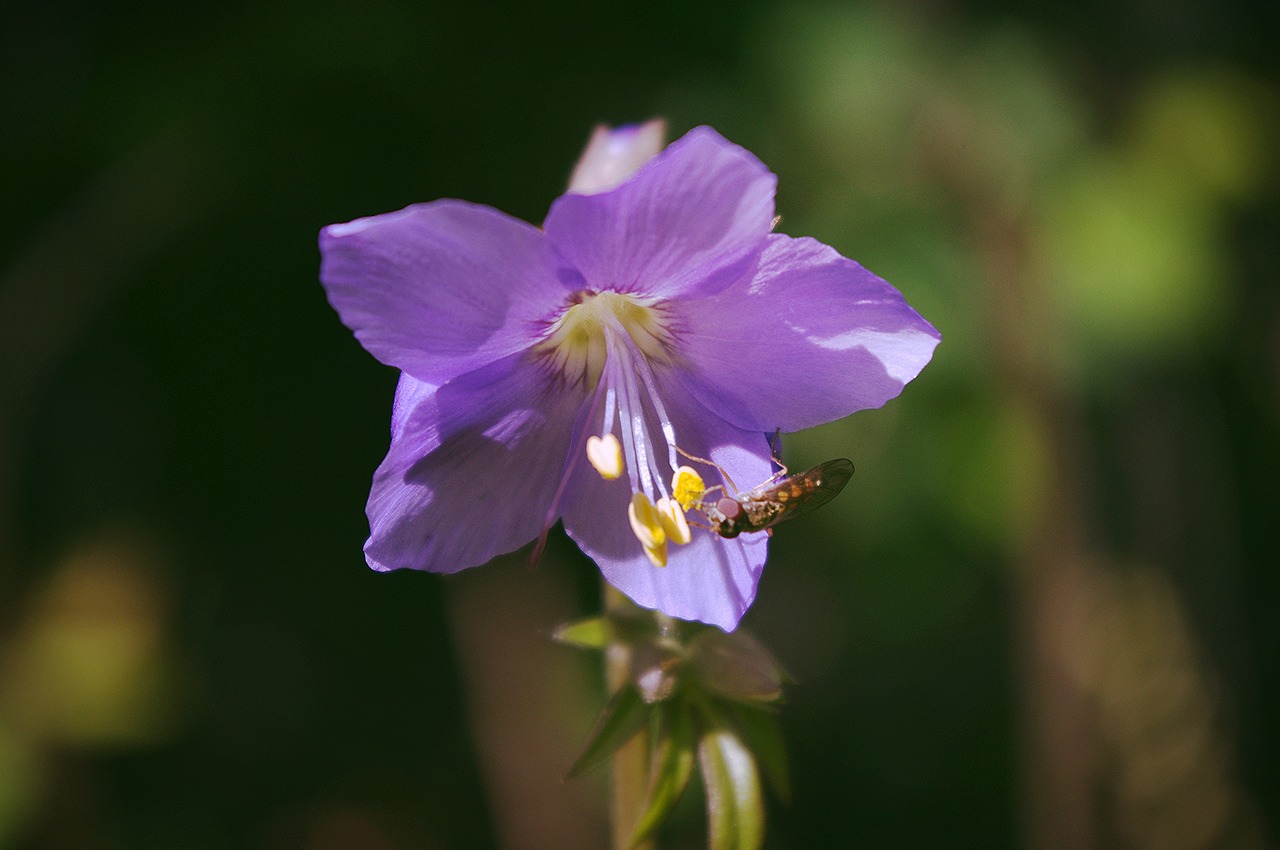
[(762, 511)]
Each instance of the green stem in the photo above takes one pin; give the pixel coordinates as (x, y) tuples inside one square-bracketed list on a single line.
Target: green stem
[(630, 769)]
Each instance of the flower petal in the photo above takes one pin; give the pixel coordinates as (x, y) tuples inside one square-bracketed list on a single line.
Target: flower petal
[(614, 155), (689, 222), (472, 468), (711, 579), (440, 289), (814, 337), (410, 392)]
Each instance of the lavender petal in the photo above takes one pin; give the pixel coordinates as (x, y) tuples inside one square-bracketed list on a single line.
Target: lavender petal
[(812, 338), (472, 468), (440, 289), (688, 222)]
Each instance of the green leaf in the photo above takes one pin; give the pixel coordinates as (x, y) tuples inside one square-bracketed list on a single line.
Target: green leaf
[(591, 633), (623, 716), (735, 806), (670, 770), (763, 736)]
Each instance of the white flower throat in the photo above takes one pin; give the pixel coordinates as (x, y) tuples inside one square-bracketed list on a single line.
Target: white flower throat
[(613, 337)]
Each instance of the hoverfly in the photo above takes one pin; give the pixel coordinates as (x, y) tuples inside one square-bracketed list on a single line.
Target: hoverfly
[(782, 497)]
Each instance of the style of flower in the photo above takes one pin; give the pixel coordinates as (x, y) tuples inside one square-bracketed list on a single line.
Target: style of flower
[(568, 372)]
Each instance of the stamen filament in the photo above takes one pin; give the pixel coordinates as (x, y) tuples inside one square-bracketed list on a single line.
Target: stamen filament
[(635, 412), (610, 408), (664, 421), (635, 364), (617, 391)]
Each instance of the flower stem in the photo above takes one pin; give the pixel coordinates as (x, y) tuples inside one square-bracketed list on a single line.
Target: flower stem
[(630, 766)]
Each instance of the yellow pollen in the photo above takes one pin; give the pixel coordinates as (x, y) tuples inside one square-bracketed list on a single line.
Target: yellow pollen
[(576, 344), (605, 454), (687, 487)]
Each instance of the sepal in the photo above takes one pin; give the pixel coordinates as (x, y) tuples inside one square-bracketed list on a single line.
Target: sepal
[(590, 633), (735, 665), (624, 715)]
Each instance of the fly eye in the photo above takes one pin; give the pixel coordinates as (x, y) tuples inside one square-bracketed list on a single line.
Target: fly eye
[(728, 508)]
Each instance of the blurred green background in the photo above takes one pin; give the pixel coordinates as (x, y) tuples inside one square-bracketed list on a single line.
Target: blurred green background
[(1043, 615)]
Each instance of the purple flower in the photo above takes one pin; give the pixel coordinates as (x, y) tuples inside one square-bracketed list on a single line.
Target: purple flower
[(654, 309)]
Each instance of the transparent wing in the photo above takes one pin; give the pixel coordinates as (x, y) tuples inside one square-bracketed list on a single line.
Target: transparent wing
[(803, 492)]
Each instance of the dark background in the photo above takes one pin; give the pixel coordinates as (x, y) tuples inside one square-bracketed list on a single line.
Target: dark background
[(1042, 615)]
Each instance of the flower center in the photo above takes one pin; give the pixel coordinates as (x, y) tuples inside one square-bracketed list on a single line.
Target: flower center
[(577, 346), (610, 342)]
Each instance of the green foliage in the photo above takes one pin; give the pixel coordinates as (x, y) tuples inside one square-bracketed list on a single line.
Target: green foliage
[(704, 693), (590, 633), (624, 715), (735, 808), (758, 726), (671, 767)]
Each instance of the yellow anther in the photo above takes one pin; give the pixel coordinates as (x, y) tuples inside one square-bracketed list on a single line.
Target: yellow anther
[(687, 487), (673, 521), (605, 454), (657, 554), (646, 523)]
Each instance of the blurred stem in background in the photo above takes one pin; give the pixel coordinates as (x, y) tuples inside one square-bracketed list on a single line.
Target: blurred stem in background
[(1059, 746), (1061, 581), (629, 768), (529, 703)]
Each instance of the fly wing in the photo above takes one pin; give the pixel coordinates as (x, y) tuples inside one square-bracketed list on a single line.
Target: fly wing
[(806, 491)]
